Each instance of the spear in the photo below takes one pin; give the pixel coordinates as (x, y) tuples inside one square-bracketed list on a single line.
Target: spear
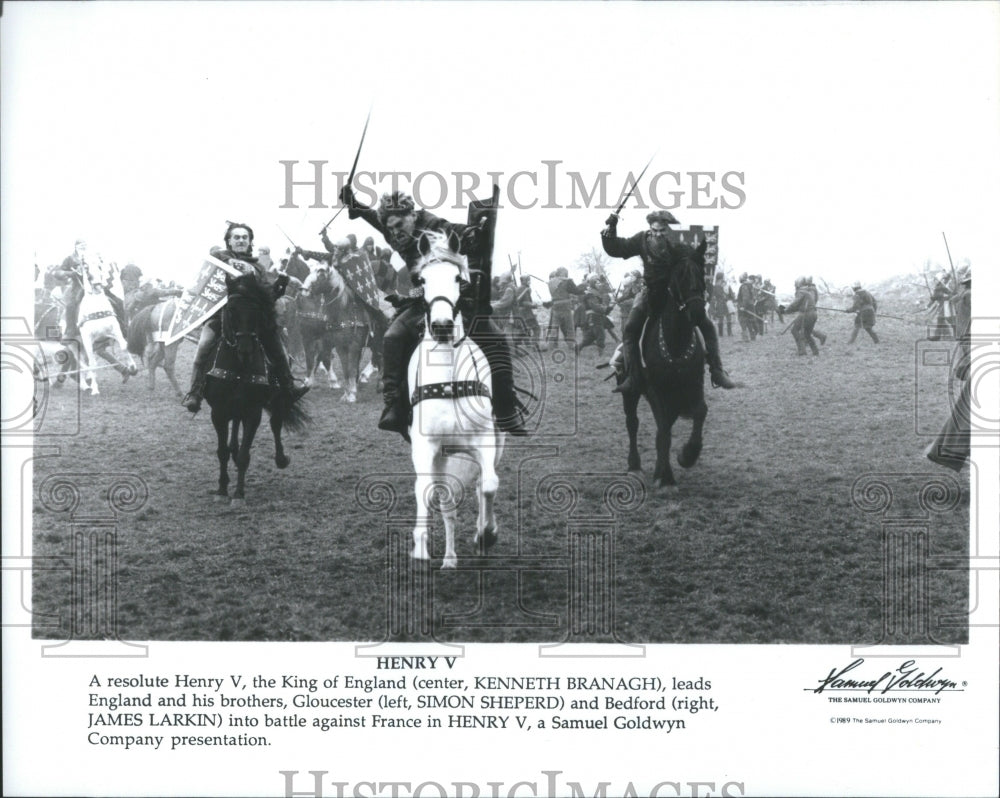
[(880, 315)]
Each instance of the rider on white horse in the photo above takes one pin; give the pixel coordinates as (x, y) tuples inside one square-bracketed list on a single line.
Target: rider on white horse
[(399, 221)]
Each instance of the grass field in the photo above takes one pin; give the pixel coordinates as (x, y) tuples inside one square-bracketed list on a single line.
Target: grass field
[(761, 542)]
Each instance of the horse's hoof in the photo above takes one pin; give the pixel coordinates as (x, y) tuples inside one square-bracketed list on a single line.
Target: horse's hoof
[(283, 461), (449, 563), (420, 555), (688, 455), (487, 540), (634, 466), (220, 497)]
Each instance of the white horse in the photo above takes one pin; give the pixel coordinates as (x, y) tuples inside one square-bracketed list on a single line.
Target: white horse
[(453, 432), (99, 327)]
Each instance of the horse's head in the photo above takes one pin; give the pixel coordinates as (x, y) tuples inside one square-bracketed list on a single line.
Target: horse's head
[(248, 312), (441, 271)]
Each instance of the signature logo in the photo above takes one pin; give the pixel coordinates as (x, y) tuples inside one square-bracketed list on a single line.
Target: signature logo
[(907, 676)]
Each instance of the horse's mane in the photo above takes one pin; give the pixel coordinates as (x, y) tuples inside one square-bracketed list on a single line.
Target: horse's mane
[(248, 288)]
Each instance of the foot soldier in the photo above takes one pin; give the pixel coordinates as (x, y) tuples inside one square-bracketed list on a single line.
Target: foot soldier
[(657, 253), (238, 253), (953, 444), (630, 290), (401, 223), (722, 295), (819, 336), (524, 309), (562, 289), (802, 328), (745, 301), (864, 307)]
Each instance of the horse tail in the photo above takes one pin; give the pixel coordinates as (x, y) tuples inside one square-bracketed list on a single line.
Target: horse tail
[(137, 332), (293, 415)]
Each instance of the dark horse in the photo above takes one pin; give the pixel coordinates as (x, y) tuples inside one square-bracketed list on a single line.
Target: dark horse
[(673, 366), (241, 384)]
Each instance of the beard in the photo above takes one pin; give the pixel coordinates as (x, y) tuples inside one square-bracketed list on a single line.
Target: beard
[(659, 246)]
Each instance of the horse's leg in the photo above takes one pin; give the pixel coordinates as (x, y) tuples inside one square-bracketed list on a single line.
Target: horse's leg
[(663, 474), (123, 348), (169, 362), (486, 528), (423, 456), (630, 402), (309, 347), (281, 460), (449, 512), (328, 352), (153, 355), (221, 425), (251, 422), (350, 360), (89, 372), (692, 449)]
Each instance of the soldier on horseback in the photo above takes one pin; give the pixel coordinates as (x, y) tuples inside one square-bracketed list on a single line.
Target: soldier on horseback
[(400, 222), (661, 272), (70, 276), (238, 253)]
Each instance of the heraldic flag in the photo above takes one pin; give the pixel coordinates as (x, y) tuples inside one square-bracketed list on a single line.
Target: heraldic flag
[(359, 277), (203, 298)]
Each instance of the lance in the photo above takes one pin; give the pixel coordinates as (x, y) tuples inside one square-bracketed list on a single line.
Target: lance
[(880, 315), (520, 272), (948, 250), (354, 166), (635, 185)]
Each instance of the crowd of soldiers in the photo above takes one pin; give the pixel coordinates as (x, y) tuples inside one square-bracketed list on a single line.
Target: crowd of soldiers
[(587, 307)]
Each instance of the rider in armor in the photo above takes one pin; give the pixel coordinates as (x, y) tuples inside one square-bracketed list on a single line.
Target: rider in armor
[(401, 223), (657, 254), (238, 253)]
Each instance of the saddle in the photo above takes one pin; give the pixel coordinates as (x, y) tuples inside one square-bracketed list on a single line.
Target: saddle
[(227, 368)]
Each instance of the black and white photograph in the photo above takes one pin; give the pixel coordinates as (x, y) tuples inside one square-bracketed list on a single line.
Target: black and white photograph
[(498, 399)]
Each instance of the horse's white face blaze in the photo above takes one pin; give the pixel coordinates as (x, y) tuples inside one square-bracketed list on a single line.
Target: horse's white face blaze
[(441, 289)]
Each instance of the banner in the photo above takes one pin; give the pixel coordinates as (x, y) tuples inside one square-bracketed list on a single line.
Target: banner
[(202, 299), (692, 237)]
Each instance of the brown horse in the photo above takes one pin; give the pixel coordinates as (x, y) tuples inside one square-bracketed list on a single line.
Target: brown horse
[(147, 331)]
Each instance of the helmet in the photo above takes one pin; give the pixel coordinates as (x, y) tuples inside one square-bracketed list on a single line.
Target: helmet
[(800, 281), (720, 277), (743, 277), (856, 286), (809, 280)]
